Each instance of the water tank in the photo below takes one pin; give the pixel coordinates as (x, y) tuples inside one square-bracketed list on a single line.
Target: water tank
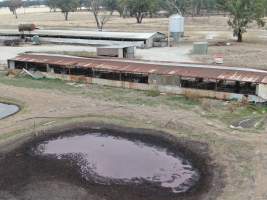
[(200, 48), (176, 24), (36, 40)]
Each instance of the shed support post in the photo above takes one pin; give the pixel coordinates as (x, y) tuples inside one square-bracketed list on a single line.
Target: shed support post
[(48, 69), (11, 64), (262, 91)]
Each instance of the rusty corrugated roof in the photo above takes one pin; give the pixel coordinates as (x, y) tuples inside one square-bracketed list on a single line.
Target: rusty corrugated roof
[(179, 69)]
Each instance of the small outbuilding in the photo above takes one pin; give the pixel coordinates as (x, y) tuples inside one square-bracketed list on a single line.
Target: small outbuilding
[(117, 51)]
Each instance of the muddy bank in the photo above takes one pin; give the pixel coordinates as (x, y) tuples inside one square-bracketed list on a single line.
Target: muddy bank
[(27, 175)]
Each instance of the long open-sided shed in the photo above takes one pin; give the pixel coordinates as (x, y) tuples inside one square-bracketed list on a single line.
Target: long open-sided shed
[(147, 38), (180, 78)]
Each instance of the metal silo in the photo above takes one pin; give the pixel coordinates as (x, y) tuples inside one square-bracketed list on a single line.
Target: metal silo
[(176, 27)]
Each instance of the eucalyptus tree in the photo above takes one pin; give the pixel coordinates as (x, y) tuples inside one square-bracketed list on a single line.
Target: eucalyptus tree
[(178, 6), (67, 6), (141, 8), (102, 11), (13, 5), (52, 4), (242, 13)]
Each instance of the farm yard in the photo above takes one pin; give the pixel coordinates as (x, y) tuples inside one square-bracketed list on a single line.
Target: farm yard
[(53, 129), (251, 53)]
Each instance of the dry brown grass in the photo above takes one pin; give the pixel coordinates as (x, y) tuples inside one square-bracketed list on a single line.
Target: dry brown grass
[(192, 96), (42, 17), (245, 54)]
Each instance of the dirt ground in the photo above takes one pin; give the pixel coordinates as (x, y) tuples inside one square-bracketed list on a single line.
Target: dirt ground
[(85, 20), (251, 53), (177, 54), (241, 154), (46, 104), (247, 54)]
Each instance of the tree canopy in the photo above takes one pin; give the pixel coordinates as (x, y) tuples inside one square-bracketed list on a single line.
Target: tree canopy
[(66, 6), (242, 13), (139, 8), (13, 5)]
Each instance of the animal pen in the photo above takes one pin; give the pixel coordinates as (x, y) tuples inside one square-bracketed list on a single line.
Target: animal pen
[(178, 78)]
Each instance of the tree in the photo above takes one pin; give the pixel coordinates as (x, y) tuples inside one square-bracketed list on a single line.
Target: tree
[(154, 7), (52, 4), (101, 17), (13, 5), (242, 13), (210, 5), (192, 7), (178, 6), (67, 6), (122, 7), (111, 5), (139, 8)]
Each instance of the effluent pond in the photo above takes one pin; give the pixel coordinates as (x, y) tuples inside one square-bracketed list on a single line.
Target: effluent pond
[(7, 110), (105, 161), (113, 159)]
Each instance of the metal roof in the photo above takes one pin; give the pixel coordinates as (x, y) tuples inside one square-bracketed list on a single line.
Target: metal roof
[(116, 46), (86, 34), (179, 69)]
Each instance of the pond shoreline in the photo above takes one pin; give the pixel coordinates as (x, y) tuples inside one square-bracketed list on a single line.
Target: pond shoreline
[(8, 110), (196, 152)]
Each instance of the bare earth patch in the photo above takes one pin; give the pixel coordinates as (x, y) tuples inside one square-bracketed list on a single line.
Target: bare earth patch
[(238, 54), (239, 153), (251, 53)]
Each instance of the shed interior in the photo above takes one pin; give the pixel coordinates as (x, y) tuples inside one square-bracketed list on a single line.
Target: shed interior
[(238, 87)]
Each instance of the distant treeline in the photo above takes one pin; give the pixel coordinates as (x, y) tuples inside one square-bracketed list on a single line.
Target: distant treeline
[(240, 12), (25, 3), (184, 7)]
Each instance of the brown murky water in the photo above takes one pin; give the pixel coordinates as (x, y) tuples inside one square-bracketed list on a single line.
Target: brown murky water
[(108, 159), (7, 110)]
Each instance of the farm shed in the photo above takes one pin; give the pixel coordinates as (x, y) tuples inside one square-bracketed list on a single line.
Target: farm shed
[(178, 78), (147, 39)]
